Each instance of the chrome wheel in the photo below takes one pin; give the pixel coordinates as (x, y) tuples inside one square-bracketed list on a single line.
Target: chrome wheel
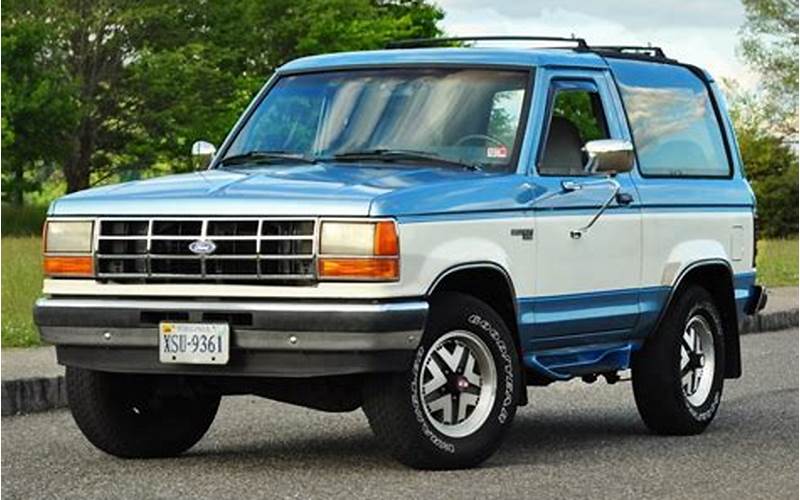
[(458, 383), (697, 360)]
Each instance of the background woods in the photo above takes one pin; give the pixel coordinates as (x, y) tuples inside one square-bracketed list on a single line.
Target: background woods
[(766, 119), (115, 89)]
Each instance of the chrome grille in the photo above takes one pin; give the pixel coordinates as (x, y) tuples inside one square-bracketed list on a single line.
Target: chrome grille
[(246, 249)]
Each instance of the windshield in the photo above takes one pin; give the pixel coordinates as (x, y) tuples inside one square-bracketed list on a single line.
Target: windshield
[(464, 115)]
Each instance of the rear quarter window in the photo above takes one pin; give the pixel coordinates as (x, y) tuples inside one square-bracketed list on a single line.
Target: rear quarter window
[(672, 119)]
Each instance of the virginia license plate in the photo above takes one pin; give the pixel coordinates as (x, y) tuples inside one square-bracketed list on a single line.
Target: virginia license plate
[(195, 343)]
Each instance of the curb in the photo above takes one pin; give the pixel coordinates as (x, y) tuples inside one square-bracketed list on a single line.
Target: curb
[(777, 320), (32, 395), (29, 395)]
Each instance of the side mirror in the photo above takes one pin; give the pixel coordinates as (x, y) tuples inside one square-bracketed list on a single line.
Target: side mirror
[(609, 156), (202, 153)]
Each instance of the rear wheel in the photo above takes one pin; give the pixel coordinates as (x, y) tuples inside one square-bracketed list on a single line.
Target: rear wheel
[(138, 416), (452, 407), (678, 375)]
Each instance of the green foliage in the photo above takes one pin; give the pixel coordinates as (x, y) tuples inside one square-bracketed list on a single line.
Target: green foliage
[(38, 110), (766, 119), (113, 90), (769, 44), (777, 262), (577, 107), (769, 160), (21, 286), (22, 220), (771, 168)]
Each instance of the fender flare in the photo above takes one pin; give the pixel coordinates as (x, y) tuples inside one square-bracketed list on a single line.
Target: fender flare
[(465, 266), (733, 364)]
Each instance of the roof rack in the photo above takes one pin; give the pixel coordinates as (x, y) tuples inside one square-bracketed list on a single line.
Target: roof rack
[(643, 51), (639, 50), (434, 42)]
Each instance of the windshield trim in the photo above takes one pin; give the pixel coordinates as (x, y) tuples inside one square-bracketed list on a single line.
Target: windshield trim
[(513, 163)]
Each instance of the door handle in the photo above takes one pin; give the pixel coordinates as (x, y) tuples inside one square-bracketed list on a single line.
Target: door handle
[(624, 198)]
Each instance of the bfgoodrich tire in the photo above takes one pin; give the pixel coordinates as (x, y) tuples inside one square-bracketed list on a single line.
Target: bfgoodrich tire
[(451, 409), (678, 375), (137, 416)]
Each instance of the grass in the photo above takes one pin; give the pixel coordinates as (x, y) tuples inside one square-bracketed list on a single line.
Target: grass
[(777, 262), (22, 280), (23, 220), (21, 285)]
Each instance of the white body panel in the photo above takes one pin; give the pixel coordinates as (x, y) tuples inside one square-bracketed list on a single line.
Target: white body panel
[(616, 253), (606, 257), (672, 241)]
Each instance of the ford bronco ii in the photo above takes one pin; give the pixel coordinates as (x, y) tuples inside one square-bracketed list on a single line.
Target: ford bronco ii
[(422, 233)]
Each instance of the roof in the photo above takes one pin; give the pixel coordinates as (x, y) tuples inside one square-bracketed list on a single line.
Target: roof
[(523, 57)]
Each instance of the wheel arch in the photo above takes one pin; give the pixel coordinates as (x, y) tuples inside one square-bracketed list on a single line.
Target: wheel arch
[(716, 276), (457, 279), (490, 283)]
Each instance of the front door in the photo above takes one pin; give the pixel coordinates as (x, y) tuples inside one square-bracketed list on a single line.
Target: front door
[(586, 279)]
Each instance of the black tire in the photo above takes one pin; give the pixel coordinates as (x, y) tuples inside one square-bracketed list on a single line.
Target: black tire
[(664, 405), (394, 403), (131, 416)]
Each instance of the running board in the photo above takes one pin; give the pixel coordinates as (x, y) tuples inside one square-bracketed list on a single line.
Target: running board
[(563, 364)]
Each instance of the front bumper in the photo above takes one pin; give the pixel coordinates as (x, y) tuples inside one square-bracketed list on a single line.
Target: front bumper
[(271, 339)]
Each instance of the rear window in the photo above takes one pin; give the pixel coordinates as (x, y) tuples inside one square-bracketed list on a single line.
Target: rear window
[(672, 119)]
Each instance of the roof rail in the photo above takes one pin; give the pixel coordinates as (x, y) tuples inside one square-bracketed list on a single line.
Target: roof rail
[(434, 42), (639, 50)]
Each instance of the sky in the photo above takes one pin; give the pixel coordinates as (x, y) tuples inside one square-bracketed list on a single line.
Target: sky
[(700, 32)]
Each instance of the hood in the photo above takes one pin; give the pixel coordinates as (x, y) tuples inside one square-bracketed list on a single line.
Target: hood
[(296, 190)]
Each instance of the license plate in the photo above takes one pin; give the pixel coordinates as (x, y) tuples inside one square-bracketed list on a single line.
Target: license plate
[(195, 343)]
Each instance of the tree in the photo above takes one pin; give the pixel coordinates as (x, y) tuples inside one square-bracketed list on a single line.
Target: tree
[(134, 82), (38, 111), (769, 45), (770, 162), (219, 57), (766, 119)]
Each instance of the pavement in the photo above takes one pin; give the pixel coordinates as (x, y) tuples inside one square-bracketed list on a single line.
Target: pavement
[(32, 381), (781, 299), (572, 441)]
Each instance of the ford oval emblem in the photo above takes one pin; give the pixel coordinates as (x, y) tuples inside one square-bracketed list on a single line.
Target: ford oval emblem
[(202, 247)]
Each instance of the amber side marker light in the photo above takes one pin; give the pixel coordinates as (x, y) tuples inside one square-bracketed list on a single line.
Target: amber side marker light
[(68, 266), (371, 269), (366, 259)]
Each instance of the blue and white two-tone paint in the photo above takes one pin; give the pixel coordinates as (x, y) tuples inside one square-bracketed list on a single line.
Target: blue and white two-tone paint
[(581, 305)]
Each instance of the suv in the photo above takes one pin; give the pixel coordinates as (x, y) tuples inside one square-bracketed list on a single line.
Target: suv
[(423, 233)]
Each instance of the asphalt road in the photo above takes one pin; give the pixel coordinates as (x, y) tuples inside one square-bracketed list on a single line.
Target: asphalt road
[(572, 441)]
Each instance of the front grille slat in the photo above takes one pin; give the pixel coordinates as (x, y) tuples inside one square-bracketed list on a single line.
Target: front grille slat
[(246, 249)]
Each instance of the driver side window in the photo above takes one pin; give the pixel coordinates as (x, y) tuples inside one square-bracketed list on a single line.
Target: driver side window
[(576, 118)]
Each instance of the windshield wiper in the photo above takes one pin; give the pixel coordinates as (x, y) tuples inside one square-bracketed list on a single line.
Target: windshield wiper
[(260, 157), (391, 155)]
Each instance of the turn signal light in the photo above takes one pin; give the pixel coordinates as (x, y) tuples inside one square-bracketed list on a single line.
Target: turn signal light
[(68, 266), (359, 269)]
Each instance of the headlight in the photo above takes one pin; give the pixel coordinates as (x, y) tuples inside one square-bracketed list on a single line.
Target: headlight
[(68, 248), (359, 251), (68, 237)]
